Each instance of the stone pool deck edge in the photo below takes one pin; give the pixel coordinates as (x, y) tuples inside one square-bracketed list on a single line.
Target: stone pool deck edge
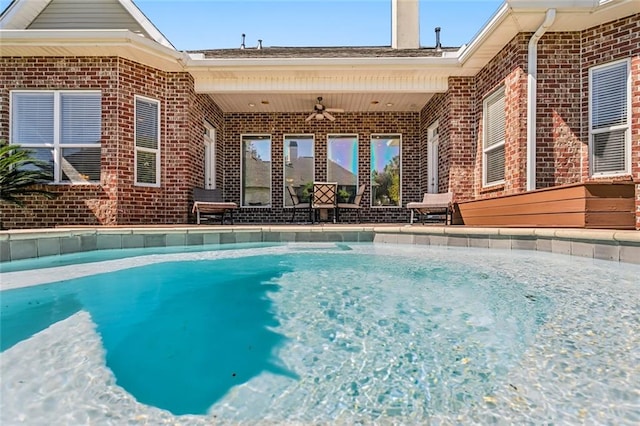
[(614, 245)]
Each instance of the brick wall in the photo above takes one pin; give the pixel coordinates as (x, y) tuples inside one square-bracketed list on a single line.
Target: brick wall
[(564, 60), (76, 204), (116, 200), (362, 124), (600, 45)]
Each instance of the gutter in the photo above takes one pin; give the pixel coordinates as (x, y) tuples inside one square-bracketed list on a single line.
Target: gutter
[(532, 68)]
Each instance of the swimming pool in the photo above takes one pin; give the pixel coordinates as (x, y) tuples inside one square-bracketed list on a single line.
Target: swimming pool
[(314, 333)]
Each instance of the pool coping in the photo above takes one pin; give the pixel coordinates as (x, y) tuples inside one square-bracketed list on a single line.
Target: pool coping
[(613, 245)]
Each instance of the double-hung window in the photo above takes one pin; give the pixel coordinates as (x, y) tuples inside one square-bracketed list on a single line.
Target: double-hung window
[(494, 137), (147, 136), (609, 122), (61, 128)]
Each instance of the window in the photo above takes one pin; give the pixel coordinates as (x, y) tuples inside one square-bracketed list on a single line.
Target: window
[(494, 136), (147, 136), (299, 163), (342, 165), (256, 170), (609, 129), (385, 170), (61, 128)]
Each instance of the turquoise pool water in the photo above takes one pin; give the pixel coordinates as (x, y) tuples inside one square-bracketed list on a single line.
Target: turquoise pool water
[(318, 333)]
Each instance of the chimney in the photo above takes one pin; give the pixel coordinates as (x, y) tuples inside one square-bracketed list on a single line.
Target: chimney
[(405, 24), (438, 45), (259, 44), (242, 45)]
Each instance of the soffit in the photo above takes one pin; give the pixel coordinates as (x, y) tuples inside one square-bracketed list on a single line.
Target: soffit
[(89, 43)]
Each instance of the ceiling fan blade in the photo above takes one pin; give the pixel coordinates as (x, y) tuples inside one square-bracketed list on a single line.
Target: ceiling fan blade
[(334, 109), (309, 118), (329, 116)]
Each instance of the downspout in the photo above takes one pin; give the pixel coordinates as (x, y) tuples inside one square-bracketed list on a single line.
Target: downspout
[(532, 76)]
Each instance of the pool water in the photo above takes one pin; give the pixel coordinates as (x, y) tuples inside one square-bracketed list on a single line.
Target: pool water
[(317, 333)]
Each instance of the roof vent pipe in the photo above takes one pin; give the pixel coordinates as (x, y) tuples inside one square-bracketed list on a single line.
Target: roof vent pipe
[(259, 44), (242, 45), (438, 45), (532, 67)]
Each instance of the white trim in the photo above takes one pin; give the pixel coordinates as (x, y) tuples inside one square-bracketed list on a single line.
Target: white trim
[(56, 146), (157, 151), (344, 135), (146, 24), (371, 137), (256, 135), (210, 153), (284, 183), (496, 94), (433, 158), (626, 126)]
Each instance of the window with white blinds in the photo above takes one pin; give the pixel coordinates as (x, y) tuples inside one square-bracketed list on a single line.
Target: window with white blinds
[(609, 138), (61, 128), (494, 137), (147, 136)]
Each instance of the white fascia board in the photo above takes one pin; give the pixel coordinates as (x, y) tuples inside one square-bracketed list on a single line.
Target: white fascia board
[(196, 64), (97, 38), (543, 5), (21, 13), (145, 23), (489, 28)]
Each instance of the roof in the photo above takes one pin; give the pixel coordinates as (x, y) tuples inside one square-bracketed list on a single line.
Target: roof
[(323, 52)]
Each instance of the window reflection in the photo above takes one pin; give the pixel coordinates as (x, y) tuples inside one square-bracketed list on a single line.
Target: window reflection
[(298, 166), (256, 170), (342, 165), (385, 170)]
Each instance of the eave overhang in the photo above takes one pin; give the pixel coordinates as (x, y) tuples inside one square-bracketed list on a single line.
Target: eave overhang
[(326, 75), (90, 43)]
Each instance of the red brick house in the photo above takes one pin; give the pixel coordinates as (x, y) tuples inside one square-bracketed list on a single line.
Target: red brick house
[(546, 95)]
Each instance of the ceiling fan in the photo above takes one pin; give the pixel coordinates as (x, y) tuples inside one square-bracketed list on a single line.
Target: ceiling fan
[(321, 112)]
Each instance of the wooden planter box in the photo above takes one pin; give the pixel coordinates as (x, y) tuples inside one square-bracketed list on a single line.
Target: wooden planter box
[(585, 205)]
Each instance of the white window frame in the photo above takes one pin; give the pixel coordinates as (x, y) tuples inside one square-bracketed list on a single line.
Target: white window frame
[(137, 148), (210, 156), (489, 100), (371, 139), (345, 135), (284, 161), (256, 135), (56, 144), (626, 126)]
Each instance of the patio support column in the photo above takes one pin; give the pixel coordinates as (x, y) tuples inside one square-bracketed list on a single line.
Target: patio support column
[(532, 104)]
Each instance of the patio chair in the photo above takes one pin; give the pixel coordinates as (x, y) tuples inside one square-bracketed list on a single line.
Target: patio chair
[(324, 197), (208, 202), (432, 204), (297, 204), (356, 202)]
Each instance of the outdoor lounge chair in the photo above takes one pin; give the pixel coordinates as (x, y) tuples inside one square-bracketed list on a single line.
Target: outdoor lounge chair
[(433, 203), (297, 204), (325, 196), (208, 202), (356, 202)]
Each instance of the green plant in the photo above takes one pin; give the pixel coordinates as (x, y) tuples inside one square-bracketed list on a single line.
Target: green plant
[(307, 189), (19, 172), (343, 195)]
